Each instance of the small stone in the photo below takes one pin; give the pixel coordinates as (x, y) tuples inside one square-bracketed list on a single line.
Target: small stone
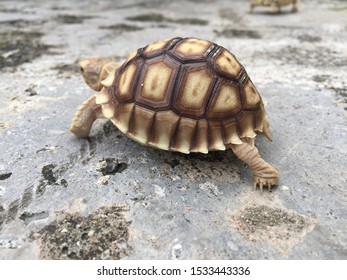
[(104, 180), (232, 246), (176, 251), (175, 177), (160, 192)]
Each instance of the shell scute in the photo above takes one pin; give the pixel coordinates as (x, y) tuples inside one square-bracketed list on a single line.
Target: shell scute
[(194, 91), (184, 135), (123, 115), (164, 127), (156, 82), (191, 49), (246, 124), (156, 48), (125, 84), (259, 117), (103, 97), (231, 134), (200, 142), (216, 139), (251, 97), (226, 64), (131, 56), (225, 102), (141, 124)]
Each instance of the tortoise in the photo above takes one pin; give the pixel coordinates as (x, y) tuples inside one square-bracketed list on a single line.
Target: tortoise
[(180, 94), (275, 5)]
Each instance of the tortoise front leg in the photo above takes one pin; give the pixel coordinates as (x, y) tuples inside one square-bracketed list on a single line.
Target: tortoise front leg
[(85, 116), (263, 173)]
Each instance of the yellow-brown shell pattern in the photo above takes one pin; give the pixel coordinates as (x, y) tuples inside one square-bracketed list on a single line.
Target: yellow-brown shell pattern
[(185, 95), (271, 2)]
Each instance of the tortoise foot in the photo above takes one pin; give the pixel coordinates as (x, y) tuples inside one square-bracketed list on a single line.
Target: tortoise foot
[(264, 182), (294, 10)]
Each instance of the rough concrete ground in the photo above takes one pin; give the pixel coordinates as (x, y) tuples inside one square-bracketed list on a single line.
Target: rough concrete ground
[(109, 198)]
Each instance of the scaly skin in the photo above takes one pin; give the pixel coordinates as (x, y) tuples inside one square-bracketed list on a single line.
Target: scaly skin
[(94, 70), (263, 173), (85, 116)]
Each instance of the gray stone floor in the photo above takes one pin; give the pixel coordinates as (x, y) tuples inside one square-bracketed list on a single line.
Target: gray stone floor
[(109, 198)]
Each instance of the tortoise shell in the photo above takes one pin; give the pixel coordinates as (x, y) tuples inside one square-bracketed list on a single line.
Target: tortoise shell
[(271, 2), (275, 4), (185, 95)]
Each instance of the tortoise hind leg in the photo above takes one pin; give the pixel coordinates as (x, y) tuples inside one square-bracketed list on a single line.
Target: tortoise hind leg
[(263, 173), (250, 8), (296, 4), (274, 8), (85, 116)]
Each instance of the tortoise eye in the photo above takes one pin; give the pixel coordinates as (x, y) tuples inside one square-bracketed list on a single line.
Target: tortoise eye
[(82, 70)]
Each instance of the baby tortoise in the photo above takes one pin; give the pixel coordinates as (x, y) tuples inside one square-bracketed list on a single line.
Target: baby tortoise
[(275, 5), (181, 94)]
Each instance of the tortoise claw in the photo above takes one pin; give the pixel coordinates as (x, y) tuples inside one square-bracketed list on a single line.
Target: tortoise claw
[(264, 182)]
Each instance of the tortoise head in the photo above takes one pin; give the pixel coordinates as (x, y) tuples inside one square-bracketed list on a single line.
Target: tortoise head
[(94, 70)]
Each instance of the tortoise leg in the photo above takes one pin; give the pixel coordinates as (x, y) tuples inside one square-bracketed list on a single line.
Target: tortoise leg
[(296, 4), (250, 8), (85, 116), (274, 8), (263, 173)]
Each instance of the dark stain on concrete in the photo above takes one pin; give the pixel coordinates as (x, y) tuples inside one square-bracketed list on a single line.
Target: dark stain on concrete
[(28, 217), (51, 175), (172, 162), (309, 38), (67, 70), (48, 175), (101, 235), (31, 90), (238, 33), (280, 227), (18, 47), (71, 19), (5, 175), (12, 210), (111, 166), (122, 27), (109, 128), (27, 197), (2, 215), (155, 17), (318, 57)]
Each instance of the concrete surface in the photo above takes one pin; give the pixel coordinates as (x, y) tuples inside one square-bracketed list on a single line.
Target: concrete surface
[(110, 198)]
